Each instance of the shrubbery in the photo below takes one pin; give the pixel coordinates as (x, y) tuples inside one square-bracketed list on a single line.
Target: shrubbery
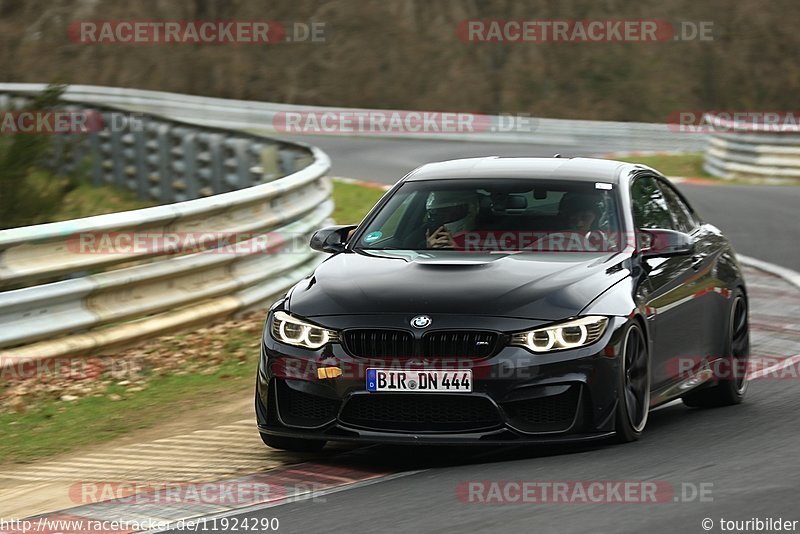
[(30, 194)]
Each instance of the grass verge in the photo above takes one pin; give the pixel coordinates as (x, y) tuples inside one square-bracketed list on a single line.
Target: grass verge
[(56, 427), (353, 202), (687, 165), (44, 198), (135, 389), (87, 200)]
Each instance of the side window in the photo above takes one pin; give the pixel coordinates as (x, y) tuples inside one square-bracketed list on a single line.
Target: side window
[(650, 209), (682, 214)]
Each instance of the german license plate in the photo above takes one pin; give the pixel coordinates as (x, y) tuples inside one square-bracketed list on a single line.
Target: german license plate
[(414, 381)]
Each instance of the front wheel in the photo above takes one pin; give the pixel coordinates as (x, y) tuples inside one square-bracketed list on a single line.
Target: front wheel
[(292, 444), (730, 389), (633, 403)]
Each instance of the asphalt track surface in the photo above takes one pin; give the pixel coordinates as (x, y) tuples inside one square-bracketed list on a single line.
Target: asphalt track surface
[(761, 221), (747, 452)]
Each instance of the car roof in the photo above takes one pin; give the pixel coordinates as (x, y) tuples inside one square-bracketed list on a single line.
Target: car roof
[(581, 169)]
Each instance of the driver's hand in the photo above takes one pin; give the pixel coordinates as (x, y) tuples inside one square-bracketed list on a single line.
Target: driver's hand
[(441, 238)]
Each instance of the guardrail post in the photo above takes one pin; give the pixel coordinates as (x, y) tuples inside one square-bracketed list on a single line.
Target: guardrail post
[(217, 163), (287, 161), (140, 161), (238, 163), (165, 163), (117, 159), (189, 157), (243, 163), (270, 163)]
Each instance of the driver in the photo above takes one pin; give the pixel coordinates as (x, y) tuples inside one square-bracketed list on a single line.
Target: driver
[(447, 214), (580, 212)]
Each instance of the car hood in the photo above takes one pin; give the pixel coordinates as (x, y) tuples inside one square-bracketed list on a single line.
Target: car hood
[(544, 286)]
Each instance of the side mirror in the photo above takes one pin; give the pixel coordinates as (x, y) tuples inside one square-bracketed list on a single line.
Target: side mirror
[(331, 239), (663, 243)]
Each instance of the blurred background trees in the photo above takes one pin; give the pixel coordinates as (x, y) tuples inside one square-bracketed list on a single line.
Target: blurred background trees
[(407, 55)]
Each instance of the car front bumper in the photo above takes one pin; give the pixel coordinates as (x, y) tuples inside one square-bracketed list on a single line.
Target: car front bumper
[(517, 397)]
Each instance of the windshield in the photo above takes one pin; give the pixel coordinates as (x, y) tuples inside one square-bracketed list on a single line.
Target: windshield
[(491, 215)]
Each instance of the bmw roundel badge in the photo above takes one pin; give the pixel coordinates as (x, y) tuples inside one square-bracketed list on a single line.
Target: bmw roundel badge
[(421, 321)]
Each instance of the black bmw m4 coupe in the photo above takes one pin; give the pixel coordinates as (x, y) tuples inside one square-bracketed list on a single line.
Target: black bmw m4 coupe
[(506, 300)]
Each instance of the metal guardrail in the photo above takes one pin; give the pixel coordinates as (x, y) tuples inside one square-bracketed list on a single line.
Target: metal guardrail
[(166, 160), (62, 299), (260, 117), (737, 150)]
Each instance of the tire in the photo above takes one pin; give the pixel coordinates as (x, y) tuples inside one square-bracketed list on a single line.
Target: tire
[(731, 388), (292, 444), (633, 402)]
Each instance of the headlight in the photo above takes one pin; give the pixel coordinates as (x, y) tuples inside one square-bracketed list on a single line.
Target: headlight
[(293, 331), (569, 335)]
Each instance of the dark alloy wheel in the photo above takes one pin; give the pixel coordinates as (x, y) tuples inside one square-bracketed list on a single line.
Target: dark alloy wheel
[(732, 382), (634, 398)]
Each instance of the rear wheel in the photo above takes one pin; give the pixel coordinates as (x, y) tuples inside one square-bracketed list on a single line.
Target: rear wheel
[(292, 444), (633, 402), (732, 386)]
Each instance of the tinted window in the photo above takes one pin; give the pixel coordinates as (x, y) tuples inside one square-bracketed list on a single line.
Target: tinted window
[(650, 209), (525, 214), (682, 214)]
